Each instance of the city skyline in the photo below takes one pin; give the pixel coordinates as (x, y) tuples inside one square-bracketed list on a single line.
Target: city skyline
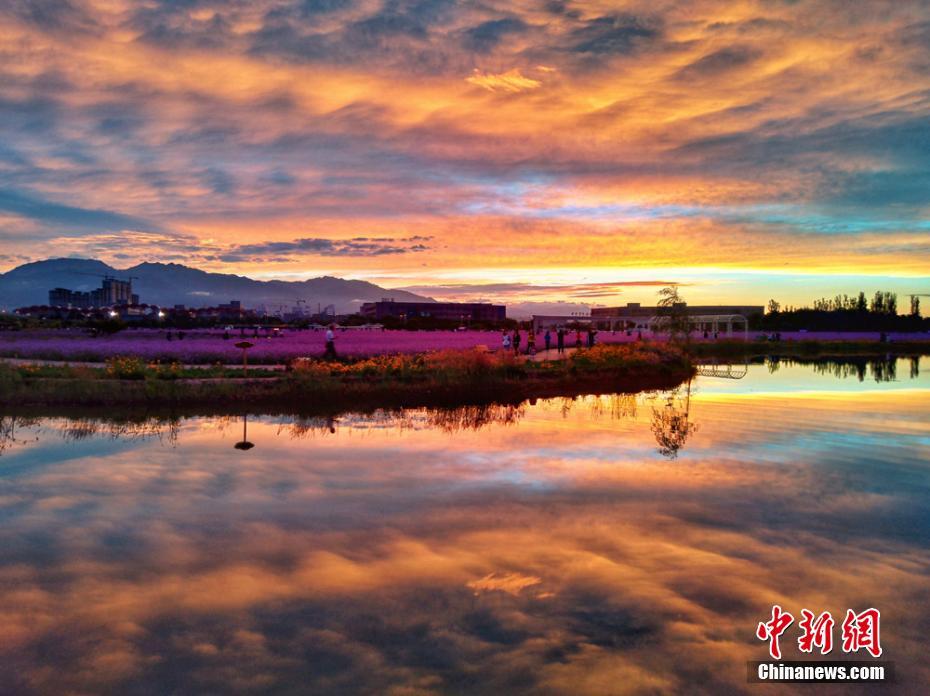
[(515, 152)]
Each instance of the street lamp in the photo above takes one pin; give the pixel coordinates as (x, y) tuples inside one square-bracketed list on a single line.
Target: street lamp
[(245, 345)]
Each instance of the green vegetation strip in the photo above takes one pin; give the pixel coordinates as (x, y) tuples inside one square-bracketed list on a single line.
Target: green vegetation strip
[(437, 377)]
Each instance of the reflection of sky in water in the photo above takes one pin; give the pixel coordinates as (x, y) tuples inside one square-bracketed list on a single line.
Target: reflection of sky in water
[(553, 549)]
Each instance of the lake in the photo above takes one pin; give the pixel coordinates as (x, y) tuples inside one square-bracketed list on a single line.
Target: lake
[(612, 544)]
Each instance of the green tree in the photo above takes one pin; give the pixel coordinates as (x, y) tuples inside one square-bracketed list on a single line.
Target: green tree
[(674, 313), (891, 302), (861, 304)]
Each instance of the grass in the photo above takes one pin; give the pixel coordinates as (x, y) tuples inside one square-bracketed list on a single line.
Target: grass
[(440, 377), (445, 377)]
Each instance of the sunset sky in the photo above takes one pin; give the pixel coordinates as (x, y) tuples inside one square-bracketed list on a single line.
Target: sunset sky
[(585, 152)]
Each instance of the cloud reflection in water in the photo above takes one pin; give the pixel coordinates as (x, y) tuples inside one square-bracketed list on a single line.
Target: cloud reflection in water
[(547, 547)]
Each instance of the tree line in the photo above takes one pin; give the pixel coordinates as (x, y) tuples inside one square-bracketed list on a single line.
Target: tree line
[(846, 313)]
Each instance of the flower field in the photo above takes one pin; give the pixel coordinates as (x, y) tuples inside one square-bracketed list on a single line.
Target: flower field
[(198, 347), (210, 346)]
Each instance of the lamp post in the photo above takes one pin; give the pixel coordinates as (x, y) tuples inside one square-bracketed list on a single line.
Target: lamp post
[(245, 345)]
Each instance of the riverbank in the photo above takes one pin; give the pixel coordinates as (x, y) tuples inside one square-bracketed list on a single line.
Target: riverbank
[(312, 386), (438, 378)]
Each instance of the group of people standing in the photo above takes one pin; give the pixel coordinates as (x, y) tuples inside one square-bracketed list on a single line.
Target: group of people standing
[(512, 341)]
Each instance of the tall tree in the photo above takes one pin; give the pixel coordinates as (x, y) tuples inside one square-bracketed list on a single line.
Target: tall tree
[(674, 313), (861, 304), (891, 302)]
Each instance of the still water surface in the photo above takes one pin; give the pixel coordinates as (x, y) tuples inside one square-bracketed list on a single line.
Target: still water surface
[(625, 544)]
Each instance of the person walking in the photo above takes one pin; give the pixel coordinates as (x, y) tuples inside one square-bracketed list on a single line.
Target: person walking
[(577, 338), (505, 341), (531, 343), (330, 352), (560, 341), (548, 339), (590, 337), (516, 341)]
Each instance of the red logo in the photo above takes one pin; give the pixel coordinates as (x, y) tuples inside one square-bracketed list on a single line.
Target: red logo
[(817, 632), (772, 630), (860, 631)]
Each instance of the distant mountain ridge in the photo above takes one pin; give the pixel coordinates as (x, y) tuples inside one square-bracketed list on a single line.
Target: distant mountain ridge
[(168, 284)]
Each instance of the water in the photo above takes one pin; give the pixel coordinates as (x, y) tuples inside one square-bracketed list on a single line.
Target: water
[(625, 544)]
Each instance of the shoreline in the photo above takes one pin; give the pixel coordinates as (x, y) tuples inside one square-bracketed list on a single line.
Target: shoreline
[(437, 379), (184, 403), (452, 378)]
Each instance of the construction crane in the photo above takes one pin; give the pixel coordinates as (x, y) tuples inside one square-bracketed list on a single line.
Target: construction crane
[(123, 294), (105, 276)]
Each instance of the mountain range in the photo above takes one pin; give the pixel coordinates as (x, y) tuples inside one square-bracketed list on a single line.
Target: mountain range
[(168, 284)]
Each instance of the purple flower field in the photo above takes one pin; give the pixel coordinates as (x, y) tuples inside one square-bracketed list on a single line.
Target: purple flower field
[(209, 346)]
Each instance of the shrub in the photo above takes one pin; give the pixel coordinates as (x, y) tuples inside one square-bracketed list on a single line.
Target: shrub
[(126, 368), (10, 377)]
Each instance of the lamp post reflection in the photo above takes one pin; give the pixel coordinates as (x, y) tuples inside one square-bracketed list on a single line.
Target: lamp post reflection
[(245, 444)]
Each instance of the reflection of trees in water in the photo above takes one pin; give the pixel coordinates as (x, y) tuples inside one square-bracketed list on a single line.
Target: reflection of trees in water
[(78, 429), (915, 367), (614, 406), (164, 429), (882, 369), (670, 422), (9, 425), (475, 417), (461, 418), (308, 426), (449, 420)]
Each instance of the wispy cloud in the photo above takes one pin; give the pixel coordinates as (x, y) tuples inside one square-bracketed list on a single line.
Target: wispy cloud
[(319, 246), (510, 81), (548, 134)]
